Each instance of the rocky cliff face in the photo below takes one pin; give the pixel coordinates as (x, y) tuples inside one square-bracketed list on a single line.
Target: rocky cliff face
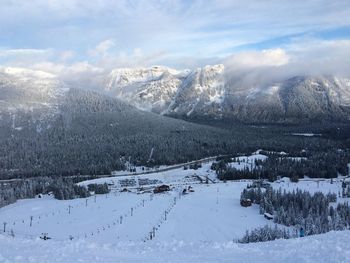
[(209, 92)]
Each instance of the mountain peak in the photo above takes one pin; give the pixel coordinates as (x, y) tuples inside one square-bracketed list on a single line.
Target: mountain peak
[(212, 93)]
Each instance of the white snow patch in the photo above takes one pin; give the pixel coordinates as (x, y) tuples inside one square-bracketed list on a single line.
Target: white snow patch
[(307, 134)]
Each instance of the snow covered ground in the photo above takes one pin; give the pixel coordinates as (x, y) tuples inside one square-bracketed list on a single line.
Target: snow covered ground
[(311, 185), (333, 247), (247, 162), (196, 227), (174, 176), (211, 213)]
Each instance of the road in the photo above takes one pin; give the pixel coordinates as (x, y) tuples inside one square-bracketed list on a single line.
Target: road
[(168, 168)]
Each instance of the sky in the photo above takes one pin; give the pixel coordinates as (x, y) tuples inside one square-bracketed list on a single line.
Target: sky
[(92, 36)]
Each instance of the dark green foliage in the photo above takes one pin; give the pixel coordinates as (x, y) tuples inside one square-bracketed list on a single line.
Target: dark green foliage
[(195, 166), (263, 234), (299, 208), (98, 188), (62, 188), (294, 178), (90, 134), (82, 132), (325, 164)]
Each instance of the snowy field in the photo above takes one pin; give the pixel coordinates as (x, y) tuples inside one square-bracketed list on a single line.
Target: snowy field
[(311, 185), (199, 226), (211, 213), (333, 247)]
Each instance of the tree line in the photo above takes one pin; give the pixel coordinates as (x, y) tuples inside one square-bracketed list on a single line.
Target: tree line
[(328, 164), (317, 213), (62, 188)]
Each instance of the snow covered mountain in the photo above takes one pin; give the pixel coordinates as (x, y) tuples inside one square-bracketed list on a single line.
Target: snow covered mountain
[(149, 89), (212, 92), (28, 89), (67, 130), (166, 91)]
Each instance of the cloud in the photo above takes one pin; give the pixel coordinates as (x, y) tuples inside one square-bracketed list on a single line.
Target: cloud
[(261, 40), (102, 48), (327, 57), (304, 57), (66, 55), (254, 59), (23, 52), (23, 57), (202, 28)]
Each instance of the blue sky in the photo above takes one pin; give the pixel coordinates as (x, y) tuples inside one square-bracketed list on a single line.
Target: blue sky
[(105, 34)]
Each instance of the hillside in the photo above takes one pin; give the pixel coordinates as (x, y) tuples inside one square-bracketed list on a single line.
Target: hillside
[(48, 128)]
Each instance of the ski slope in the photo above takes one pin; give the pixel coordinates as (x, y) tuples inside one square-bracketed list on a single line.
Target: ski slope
[(332, 247), (211, 213), (139, 226)]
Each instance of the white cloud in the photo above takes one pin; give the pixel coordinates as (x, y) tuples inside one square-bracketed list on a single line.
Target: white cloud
[(9, 53), (304, 57), (101, 50), (314, 56), (205, 28), (66, 55), (253, 59), (24, 57), (107, 34)]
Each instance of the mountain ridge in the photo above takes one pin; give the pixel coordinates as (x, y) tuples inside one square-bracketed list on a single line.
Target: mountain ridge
[(211, 92)]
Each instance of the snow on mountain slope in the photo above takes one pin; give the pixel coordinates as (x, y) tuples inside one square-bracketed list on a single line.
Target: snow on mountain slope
[(332, 247), (208, 92), (200, 91), (29, 98), (165, 90), (150, 89), (23, 88), (213, 92)]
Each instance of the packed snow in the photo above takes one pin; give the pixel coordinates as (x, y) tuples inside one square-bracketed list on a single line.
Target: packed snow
[(332, 247), (132, 223), (247, 162)]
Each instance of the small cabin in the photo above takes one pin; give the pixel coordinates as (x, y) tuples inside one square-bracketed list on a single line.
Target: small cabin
[(161, 189), (268, 216), (245, 202)]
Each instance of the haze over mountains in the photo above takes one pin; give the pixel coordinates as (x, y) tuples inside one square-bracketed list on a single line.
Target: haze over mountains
[(212, 92)]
